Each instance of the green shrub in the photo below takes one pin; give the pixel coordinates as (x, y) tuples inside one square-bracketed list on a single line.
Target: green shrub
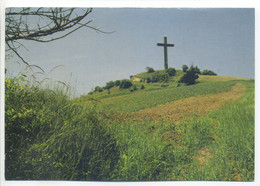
[(149, 69), (125, 83), (208, 72), (160, 77), (98, 89), (189, 77), (142, 87), (197, 70), (185, 68), (109, 85), (171, 71), (117, 83), (148, 80)]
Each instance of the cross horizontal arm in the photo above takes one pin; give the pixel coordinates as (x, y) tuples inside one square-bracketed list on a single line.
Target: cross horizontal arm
[(168, 45)]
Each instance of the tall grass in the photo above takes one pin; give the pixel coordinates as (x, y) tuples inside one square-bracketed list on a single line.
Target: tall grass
[(231, 147), (49, 137)]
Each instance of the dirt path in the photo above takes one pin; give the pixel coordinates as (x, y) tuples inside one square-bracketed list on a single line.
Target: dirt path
[(184, 108)]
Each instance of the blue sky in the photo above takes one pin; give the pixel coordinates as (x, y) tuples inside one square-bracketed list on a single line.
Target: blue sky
[(218, 39)]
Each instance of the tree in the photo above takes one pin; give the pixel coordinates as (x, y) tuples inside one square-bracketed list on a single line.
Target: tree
[(117, 83), (109, 85), (98, 89), (171, 71), (149, 69), (160, 77), (208, 72), (185, 68), (125, 83), (189, 77), (197, 70), (42, 25)]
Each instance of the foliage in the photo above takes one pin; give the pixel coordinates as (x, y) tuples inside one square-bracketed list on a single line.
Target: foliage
[(197, 70), (208, 72), (142, 87), (148, 80), (185, 68), (171, 71), (117, 83), (149, 69), (125, 83), (160, 77), (98, 89), (189, 77), (50, 137), (109, 85)]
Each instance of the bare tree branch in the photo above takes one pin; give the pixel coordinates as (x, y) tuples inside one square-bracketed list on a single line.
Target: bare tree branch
[(43, 25)]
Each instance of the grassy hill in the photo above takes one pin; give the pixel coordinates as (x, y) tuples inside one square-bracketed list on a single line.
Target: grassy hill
[(163, 131)]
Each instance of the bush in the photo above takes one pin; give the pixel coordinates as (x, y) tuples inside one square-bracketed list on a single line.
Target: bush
[(149, 69), (160, 77), (171, 71), (148, 80), (197, 70), (142, 87), (98, 89), (185, 68), (117, 83), (208, 72), (189, 77), (109, 85), (125, 83)]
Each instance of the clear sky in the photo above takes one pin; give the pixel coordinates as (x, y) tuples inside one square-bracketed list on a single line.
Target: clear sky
[(221, 40)]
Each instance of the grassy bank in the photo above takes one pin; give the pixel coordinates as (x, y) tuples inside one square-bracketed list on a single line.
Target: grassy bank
[(50, 137)]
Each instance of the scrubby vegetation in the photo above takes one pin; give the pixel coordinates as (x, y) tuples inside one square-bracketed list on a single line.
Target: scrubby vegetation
[(50, 136), (208, 72), (125, 83), (189, 78)]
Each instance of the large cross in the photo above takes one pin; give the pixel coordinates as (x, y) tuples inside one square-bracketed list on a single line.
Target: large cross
[(165, 45)]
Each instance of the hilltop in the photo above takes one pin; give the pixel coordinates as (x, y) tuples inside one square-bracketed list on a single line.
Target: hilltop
[(149, 81), (134, 129)]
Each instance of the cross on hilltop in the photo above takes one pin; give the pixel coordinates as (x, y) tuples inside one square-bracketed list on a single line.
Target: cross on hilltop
[(165, 45)]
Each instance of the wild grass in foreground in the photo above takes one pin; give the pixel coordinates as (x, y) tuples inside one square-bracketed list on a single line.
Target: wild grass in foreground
[(228, 154), (50, 137), (219, 146)]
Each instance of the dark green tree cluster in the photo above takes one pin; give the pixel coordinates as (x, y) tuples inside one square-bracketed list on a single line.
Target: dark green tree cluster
[(185, 68), (171, 72), (208, 72), (191, 74), (160, 77), (125, 83), (189, 78)]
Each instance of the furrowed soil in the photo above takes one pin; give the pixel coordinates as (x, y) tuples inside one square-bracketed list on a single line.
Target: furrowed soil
[(196, 105)]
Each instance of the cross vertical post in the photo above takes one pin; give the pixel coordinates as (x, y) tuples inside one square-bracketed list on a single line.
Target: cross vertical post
[(165, 45)]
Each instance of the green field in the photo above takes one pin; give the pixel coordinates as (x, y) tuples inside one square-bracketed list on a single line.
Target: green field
[(52, 137)]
